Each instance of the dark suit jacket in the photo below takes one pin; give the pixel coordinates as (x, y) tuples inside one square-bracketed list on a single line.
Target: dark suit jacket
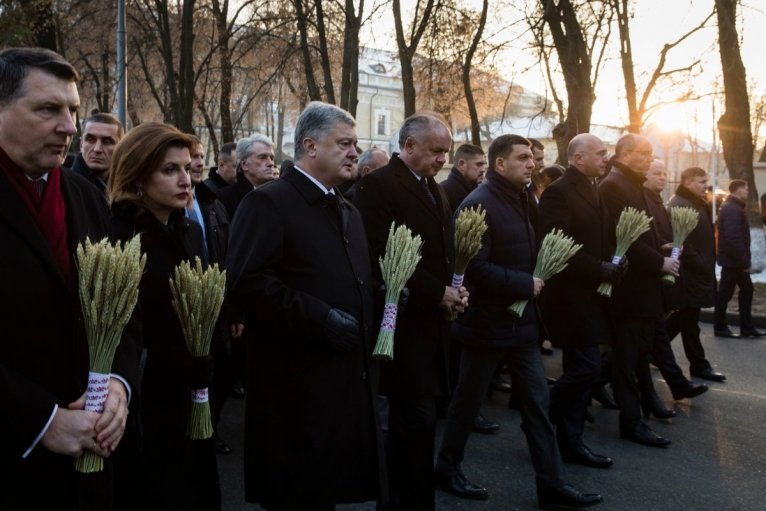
[(393, 194), (574, 311), (640, 293), (233, 194), (44, 352), (310, 424)]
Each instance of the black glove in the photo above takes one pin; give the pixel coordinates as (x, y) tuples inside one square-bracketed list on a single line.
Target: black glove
[(623, 264), (404, 297), (610, 272), (199, 371), (341, 330)]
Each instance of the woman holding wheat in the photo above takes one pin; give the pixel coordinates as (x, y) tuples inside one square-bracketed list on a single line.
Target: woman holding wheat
[(149, 186)]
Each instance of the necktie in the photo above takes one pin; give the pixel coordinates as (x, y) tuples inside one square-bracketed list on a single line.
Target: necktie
[(594, 189), (424, 184), (39, 185)]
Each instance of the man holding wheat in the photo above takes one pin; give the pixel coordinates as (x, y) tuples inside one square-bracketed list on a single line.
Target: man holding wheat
[(404, 192), (582, 322), (500, 274), (44, 214), (637, 302)]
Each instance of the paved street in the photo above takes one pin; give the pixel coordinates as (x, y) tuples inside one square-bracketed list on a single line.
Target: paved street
[(717, 460)]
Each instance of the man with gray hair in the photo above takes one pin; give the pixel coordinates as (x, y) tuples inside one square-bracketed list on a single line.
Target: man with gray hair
[(405, 191), (256, 167), (370, 160), (299, 269)]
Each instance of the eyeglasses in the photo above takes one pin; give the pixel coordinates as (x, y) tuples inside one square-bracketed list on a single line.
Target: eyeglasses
[(645, 154)]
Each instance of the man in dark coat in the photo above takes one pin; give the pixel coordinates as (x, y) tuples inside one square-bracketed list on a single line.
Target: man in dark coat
[(499, 275), (44, 214), (255, 155), (100, 134), (734, 260), (637, 302), (405, 192), (661, 351), (697, 273), (225, 173), (465, 175), (299, 268), (578, 315)]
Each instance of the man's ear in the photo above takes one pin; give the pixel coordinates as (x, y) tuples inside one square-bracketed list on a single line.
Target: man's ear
[(309, 146)]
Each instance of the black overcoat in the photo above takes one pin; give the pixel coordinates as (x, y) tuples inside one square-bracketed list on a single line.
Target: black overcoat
[(457, 188), (501, 272), (639, 294), (697, 281), (733, 235), (231, 195), (311, 433), (393, 194), (43, 351), (574, 311), (177, 471)]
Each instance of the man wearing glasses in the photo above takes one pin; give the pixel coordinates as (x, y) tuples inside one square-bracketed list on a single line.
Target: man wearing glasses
[(638, 300)]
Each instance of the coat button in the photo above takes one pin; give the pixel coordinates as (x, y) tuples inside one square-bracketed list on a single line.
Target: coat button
[(364, 375), (345, 239), (365, 328), (361, 282)]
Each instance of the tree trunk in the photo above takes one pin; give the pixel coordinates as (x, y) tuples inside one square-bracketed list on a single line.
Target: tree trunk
[(626, 59), (221, 13), (734, 124), (407, 51), (314, 93), (474, 115), (576, 66), (349, 83), (185, 114)]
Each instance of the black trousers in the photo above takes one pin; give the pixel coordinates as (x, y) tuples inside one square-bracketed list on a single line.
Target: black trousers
[(665, 359), (570, 394), (476, 369), (731, 278), (410, 453), (686, 322), (633, 338)]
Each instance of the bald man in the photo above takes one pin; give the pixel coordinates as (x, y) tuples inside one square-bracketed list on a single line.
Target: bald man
[(578, 315)]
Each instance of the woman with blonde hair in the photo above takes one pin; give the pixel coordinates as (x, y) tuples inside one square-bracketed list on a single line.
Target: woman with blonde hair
[(149, 187)]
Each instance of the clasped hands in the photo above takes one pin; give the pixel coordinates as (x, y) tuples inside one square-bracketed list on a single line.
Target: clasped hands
[(74, 430)]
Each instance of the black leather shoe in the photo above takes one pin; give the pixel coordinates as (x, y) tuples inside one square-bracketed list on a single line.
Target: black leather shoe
[(582, 455), (220, 445), (483, 426), (657, 408), (690, 390), (709, 374), (725, 333), (602, 396), (457, 484), (643, 435), (498, 383), (565, 498), (752, 333)]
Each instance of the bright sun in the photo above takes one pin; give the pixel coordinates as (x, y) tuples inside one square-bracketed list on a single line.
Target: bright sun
[(672, 118)]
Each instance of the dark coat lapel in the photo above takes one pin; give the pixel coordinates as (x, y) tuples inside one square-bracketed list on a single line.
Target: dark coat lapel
[(410, 183), (16, 215)]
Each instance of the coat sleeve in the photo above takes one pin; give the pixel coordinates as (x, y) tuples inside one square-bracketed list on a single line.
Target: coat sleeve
[(736, 236), (554, 212), (253, 284), (641, 254)]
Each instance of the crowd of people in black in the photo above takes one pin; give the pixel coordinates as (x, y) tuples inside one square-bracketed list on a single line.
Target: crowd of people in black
[(325, 423)]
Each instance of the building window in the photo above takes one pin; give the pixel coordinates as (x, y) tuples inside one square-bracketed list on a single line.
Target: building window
[(381, 124)]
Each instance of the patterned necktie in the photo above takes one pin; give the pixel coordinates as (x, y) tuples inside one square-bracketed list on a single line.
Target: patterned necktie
[(39, 185), (424, 184)]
